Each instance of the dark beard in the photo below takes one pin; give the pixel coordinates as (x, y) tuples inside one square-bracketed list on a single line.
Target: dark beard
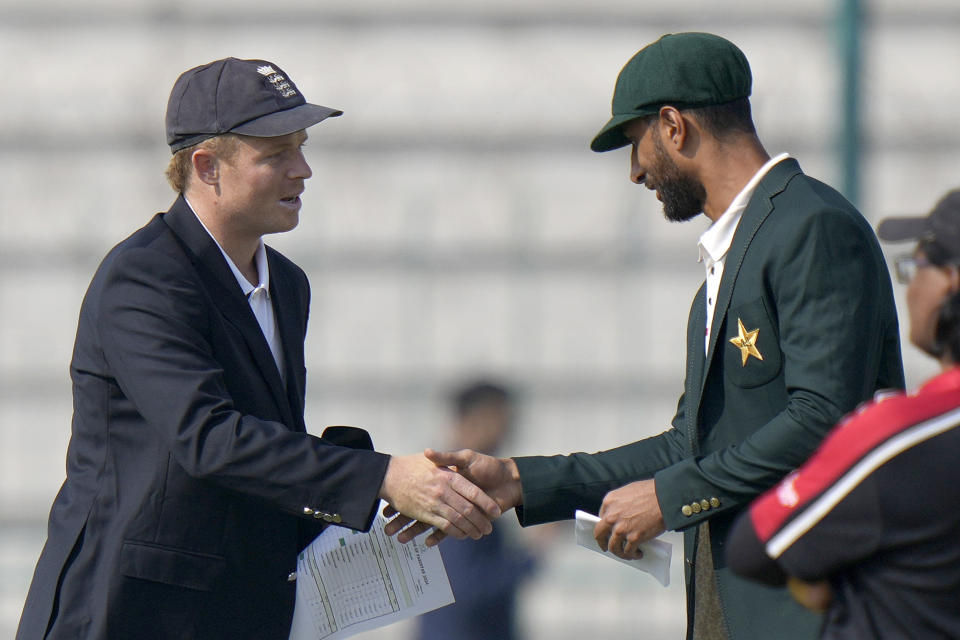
[(683, 195)]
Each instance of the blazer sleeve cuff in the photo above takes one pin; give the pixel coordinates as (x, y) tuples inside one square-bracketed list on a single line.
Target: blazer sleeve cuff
[(356, 504), (685, 498), (548, 495)]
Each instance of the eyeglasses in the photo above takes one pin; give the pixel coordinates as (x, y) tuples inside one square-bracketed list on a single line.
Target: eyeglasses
[(906, 267)]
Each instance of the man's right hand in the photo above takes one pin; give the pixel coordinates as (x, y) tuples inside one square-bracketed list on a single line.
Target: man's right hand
[(498, 477), (816, 596), (421, 490)]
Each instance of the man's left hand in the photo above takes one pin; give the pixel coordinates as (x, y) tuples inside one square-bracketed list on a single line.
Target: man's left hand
[(629, 516)]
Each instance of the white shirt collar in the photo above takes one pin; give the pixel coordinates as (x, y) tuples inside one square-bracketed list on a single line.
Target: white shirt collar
[(260, 259), (715, 241)]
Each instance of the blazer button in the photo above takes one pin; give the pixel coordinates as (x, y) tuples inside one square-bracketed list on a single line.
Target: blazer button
[(695, 506), (317, 514), (292, 576), (686, 510), (337, 518), (705, 505), (714, 502), (307, 511)]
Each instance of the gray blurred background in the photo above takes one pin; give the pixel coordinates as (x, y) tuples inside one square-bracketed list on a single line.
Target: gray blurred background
[(456, 222)]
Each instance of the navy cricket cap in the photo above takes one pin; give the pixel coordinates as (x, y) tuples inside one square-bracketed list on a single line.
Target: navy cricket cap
[(941, 226), (249, 97)]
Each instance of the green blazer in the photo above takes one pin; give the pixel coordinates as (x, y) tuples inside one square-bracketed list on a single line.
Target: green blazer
[(805, 278)]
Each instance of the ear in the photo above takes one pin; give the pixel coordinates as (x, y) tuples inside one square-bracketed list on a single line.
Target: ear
[(206, 166), (673, 127), (953, 272)]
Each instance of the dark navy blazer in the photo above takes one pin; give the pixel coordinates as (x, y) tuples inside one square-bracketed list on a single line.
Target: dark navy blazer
[(191, 481)]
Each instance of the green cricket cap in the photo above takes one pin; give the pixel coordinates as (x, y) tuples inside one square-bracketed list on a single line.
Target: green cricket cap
[(683, 70)]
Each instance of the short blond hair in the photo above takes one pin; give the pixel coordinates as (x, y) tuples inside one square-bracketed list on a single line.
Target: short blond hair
[(180, 169)]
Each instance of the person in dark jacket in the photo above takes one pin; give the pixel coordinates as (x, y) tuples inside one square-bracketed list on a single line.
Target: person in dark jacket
[(864, 529)]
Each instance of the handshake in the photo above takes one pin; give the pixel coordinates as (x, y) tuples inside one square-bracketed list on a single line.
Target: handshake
[(460, 493), (455, 493)]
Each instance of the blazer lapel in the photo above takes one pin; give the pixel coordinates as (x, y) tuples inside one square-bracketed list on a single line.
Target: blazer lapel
[(759, 207), (283, 294), (228, 296), (696, 360)]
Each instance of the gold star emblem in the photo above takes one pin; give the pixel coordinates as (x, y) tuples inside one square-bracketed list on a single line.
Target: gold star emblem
[(746, 342)]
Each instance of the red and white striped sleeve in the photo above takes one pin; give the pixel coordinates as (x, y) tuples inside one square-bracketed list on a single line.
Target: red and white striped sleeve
[(828, 513)]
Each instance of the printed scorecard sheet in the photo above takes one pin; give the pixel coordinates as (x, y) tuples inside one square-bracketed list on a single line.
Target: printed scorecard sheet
[(348, 582)]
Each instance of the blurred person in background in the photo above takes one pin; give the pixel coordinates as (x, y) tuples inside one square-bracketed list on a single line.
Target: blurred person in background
[(865, 529), (486, 575), (192, 483), (793, 327)]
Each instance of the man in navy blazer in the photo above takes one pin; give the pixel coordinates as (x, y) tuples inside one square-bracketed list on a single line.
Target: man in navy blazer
[(191, 481)]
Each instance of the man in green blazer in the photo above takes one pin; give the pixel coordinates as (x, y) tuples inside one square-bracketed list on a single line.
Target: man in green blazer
[(794, 326)]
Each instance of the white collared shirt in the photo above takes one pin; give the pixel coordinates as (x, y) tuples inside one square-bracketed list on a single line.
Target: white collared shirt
[(258, 296), (715, 241)]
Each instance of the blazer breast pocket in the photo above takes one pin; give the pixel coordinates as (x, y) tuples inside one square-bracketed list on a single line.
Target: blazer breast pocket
[(751, 347)]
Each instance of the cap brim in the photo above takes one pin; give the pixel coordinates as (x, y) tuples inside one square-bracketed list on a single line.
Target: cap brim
[(280, 123), (611, 136), (903, 229)]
